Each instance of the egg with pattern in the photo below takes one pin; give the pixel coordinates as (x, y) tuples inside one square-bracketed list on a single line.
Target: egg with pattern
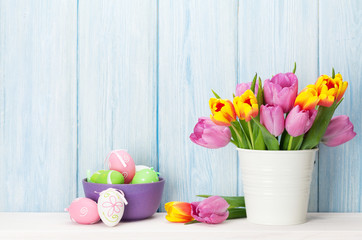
[(83, 211), (121, 161), (111, 204)]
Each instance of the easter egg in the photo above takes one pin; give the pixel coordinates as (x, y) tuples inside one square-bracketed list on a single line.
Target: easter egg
[(111, 204), (145, 176), (109, 177), (83, 211), (121, 161), (95, 175), (141, 167)]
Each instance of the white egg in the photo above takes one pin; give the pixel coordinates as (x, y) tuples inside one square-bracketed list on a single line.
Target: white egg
[(111, 204)]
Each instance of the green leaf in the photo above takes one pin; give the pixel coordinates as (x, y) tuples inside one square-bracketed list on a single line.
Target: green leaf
[(259, 141), (295, 67), (234, 202), (234, 137), (252, 88), (260, 95), (258, 138), (297, 142), (216, 95), (333, 73), (319, 127), (270, 141), (237, 213), (240, 135)]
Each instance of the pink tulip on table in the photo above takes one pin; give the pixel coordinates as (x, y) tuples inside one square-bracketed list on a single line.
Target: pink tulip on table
[(208, 134), (210, 210), (299, 121), (272, 117), (339, 131), (242, 87), (281, 90)]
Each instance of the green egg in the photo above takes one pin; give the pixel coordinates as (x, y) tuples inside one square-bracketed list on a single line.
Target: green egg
[(95, 175), (145, 176), (109, 177)]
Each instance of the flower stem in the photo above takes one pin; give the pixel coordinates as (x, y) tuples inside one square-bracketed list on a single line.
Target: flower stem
[(290, 143), (251, 135), (239, 139)]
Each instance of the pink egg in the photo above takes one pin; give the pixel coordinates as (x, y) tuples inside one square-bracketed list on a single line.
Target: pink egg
[(121, 161), (83, 211)]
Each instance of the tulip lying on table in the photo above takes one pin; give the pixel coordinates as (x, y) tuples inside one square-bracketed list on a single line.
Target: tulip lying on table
[(212, 210)]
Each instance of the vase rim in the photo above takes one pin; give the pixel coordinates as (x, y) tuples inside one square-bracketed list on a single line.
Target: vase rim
[(278, 151)]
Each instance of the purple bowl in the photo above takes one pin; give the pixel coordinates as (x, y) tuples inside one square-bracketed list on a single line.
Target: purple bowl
[(143, 199)]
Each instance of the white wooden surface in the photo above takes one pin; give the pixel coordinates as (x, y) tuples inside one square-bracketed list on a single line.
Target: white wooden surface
[(197, 53), (38, 108), (328, 226), (117, 82)]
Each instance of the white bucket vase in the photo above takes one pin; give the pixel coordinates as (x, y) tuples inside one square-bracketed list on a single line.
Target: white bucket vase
[(276, 185)]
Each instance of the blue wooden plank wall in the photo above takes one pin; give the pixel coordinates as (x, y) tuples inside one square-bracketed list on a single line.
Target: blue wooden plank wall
[(80, 78)]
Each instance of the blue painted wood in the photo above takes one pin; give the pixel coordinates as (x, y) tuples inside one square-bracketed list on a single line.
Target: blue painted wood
[(197, 53), (117, 82), (120, 101), (38, 142), (272, 35), (340, 42)]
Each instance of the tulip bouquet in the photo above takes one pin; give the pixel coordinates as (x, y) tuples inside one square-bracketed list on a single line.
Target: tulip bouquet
[(276, 117)]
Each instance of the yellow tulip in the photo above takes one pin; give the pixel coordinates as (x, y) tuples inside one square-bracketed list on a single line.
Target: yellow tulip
[(246, 106), (330, 89), (222, 111), (179, 212), (308, 98)]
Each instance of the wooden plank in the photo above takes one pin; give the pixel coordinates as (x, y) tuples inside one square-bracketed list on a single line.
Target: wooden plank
[(197, 53), (272, 35), (38, 141), (340, 47), (118, 83), (36, 226)]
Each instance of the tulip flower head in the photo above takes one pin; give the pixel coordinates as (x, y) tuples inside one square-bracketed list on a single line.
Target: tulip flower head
[(208, 134), (281, 90), (210, 210), (330, 89), (299, 121), (272, 117), (179, 212), (246, 106), (242, 87), (339, 131), (308, 98), (222, 111)]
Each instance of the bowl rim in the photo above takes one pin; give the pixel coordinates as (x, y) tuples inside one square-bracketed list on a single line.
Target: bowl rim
[(161, 180)]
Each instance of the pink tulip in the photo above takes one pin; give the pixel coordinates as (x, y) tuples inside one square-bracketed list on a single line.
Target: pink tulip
[(210, 210), (208, 134), (281, 90), (272, 117), (339, 131), (299, 121), (242, 87)]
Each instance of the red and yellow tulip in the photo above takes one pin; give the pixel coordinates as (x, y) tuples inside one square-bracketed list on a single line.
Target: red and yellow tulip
[(246, 106), (330, 89), (179, 212), (308, 98), (222, 111)]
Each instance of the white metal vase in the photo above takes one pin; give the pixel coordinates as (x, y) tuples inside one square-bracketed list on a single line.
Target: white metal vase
[(276, 185)]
